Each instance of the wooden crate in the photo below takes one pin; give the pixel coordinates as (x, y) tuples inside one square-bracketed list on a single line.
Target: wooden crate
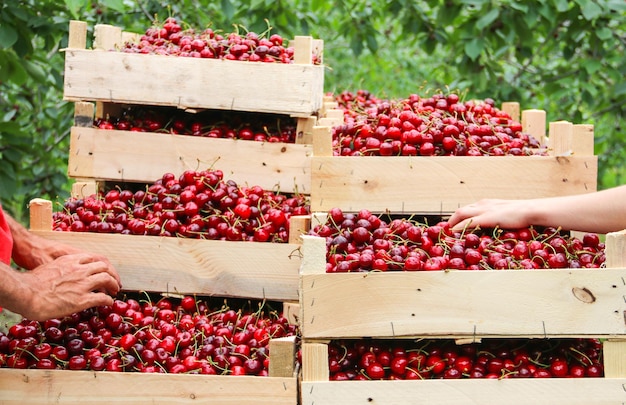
[(438, 185), (317, 389), (460, 303), (127, 156), (371, 313), (190, 83), (101, 387), (167, 264)]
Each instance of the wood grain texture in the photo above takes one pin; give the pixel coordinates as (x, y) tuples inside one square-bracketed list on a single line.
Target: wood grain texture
[(34, 387), (548, 391), (186, 266), (143, 157), (439, 185), (485, 303), (293, 89)]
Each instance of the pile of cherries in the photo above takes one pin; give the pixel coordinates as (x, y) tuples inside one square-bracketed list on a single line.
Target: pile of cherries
[(436, 125), (363, 242), (210, 123), (443, 359), (169, 38), (171, 335), (198, 204)]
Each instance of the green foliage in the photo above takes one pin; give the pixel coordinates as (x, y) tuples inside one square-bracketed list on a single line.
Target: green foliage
[(565, 57)]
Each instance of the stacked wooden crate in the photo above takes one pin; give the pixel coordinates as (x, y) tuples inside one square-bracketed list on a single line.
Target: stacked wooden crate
[(466, 306), (102, 82)]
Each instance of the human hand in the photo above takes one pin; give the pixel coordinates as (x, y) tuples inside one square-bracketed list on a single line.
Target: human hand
[(491, 213), (34, 251), (67, 284)]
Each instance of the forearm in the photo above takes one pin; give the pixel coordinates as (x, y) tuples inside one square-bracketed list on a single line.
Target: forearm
[(23, 243), (600, 212), (14, 294)]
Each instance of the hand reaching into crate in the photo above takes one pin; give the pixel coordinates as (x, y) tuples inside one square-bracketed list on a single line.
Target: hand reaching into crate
[(58, 280), (598, 212)]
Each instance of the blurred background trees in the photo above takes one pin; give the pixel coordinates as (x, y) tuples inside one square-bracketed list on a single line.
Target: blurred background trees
[(566, 57)]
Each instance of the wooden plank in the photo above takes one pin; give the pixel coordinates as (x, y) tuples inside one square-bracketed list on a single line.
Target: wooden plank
[(615, 249), (527, 303), (561, 137), (32, 387), (82, 189), (77, 38), (40, 214), (304, 130), (322, 141), (84, 114), (166, 264), (315, 362), (520, 391), (283, 360), (512, 108), (144, 157), (107, 37), (302, 49), (298, 226), (583, 140), (441, 184), (193, 83), (614, 358), (534, 123)]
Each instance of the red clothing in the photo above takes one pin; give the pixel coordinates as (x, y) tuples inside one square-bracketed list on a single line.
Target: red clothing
[(6, 240)]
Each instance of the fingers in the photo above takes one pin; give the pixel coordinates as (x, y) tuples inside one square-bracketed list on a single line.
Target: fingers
[(96, 299), (96, 264), (103, 282)]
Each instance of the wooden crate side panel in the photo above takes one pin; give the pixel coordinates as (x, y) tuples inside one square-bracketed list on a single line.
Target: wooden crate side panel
[(144, 157), (442, 184), (119, 77), (533, 303), (165, 264), (549, 391), (26, 387)]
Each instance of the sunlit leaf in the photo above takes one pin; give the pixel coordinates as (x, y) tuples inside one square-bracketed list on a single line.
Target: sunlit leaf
[(474, 47), (487, 19)]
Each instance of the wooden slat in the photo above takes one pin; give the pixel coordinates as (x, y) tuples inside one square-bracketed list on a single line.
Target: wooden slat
[(77, 38), (614, 356), (514, 391), (107, 37), (187, 266), (527, 303), (441, 184), (304, 130), (283, 357), (561, 136), (144, 157), (512, 108), (40, 214), (302, 49), (34, 387), (534, 123), (583, 140), (315, 362), (293, 89), (82, 189)]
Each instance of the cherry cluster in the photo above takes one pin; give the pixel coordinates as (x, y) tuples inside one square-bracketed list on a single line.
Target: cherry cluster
[(209, 123), (443, 359), (362, 242), (169, 38), (436, 125), (171, 335), (198, 204)]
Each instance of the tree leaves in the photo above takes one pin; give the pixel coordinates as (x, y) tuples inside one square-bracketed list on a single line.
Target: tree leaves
[(8, 36)]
